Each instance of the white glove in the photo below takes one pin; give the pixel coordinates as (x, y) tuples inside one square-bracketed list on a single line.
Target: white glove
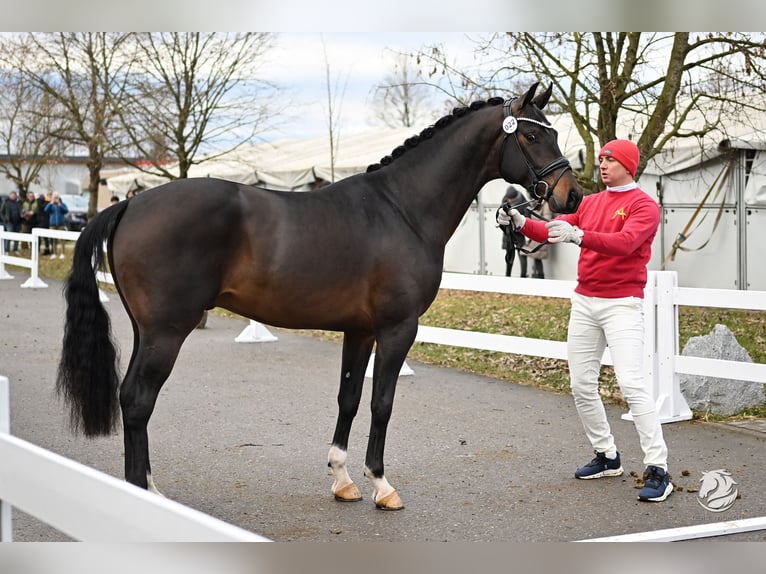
[(513, 216), (559, 231)]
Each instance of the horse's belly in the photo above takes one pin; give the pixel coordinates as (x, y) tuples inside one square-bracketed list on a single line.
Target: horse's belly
[(299, 310)]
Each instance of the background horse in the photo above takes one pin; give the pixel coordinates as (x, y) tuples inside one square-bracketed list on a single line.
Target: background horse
[(370, 266)]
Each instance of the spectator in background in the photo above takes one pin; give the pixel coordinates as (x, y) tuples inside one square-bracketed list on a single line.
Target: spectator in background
[(43, 220), (12, 216), (29, 213), (57, 209), (513, 241)]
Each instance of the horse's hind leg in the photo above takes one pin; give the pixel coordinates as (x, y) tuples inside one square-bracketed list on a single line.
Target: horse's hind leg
[(356, 354), (152, 361)]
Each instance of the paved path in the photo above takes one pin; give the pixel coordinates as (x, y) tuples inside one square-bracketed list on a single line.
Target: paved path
[(241, 431)]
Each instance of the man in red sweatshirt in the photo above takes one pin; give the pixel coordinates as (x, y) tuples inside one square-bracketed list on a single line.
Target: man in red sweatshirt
[(614, 229)]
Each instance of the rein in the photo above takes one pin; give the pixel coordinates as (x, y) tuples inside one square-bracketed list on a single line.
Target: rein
[(530, 213), (510, 125)]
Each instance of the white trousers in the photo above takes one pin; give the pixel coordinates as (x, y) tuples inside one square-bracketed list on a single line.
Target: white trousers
[(595, 322)]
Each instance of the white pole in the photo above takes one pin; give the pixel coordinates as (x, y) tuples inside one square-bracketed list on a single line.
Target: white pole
[(3, 273), (6, 523)]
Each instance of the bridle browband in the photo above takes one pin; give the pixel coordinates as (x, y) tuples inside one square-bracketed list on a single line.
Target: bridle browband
[(539, 190)]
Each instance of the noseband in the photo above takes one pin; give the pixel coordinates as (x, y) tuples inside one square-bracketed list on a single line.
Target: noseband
[(539, 189)]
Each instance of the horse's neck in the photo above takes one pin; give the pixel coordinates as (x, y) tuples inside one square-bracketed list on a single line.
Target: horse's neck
[(436, 181)]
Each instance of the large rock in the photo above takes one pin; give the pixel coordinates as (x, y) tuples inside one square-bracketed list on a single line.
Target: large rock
[(719, 396)]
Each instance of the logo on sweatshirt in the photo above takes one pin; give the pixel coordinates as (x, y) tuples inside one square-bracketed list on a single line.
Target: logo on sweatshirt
[(620, 213)]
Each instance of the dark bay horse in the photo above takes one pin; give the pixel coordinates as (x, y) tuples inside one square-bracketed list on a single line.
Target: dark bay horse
[(370, 266)]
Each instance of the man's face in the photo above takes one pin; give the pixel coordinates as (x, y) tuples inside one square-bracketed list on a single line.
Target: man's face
[(613, 173)]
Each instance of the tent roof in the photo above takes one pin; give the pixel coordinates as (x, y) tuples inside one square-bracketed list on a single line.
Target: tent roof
[(296, 164), (285, 164)]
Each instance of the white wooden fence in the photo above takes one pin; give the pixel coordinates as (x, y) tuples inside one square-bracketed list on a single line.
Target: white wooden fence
[(663, 364), (662, 297)]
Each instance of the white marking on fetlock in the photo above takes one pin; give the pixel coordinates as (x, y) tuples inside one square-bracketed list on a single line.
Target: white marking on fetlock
[(150, 485), (337, 460), (380, 486)]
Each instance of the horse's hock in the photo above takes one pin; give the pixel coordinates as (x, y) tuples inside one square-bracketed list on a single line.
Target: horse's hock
[(723, 397)]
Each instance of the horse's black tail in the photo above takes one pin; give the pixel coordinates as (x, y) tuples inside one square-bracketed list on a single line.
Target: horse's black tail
[(88, 373)]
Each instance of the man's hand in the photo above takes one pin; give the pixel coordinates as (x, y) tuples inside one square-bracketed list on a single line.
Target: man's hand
[(513, 216), (559, 231)]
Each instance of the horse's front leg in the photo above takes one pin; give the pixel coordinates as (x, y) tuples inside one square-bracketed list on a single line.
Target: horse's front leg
[(392, 349), (356, 354)]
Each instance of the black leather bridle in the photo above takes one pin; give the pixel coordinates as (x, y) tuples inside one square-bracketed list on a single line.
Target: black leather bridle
[(539, 190)]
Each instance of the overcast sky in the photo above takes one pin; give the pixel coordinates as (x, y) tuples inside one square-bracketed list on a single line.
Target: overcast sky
[(356, 37), (357, 63)]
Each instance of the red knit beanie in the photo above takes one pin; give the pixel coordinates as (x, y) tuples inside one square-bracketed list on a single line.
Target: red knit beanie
[(624, 151)]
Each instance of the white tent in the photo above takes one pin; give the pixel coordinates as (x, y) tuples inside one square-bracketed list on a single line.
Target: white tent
[(285, 164)]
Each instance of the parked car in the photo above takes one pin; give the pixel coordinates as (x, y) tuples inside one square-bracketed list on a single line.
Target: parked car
[(77, 216)]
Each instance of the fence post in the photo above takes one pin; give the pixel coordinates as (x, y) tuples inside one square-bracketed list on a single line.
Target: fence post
[(661, 347), (3, 273), (671, 404), (6, 525), (34, 281)]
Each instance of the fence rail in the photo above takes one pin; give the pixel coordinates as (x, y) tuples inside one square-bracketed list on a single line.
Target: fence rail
[(663, 364), (92, 506)]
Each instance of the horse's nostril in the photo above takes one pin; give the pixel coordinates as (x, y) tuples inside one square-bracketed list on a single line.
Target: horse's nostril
[(573, 202)]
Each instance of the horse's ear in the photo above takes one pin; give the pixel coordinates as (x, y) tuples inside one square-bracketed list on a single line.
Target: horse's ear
[(530, 95), (542, 99)]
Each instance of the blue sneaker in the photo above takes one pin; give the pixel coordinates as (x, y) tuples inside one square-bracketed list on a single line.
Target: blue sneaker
[(657, 485), (600, 467)]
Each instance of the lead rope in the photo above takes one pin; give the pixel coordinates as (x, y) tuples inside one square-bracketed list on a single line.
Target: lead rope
[(532, 213), (540, 245)]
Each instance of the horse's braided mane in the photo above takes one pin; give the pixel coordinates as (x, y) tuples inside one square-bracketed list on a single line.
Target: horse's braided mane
[(428, 132)]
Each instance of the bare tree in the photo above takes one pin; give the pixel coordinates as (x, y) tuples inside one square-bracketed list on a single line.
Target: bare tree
[(26, 121), (335, 95), (403, 99), (190, 93), (78, 72), (656, 80)]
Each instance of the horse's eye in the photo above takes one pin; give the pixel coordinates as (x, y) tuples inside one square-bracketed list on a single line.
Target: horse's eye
[(530, 137)]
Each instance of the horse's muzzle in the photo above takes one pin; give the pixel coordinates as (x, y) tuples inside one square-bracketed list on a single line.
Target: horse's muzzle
[(574, 197)]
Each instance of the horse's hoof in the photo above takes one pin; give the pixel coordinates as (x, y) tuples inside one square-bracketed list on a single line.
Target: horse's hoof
[(349, 493), (390, 502)]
